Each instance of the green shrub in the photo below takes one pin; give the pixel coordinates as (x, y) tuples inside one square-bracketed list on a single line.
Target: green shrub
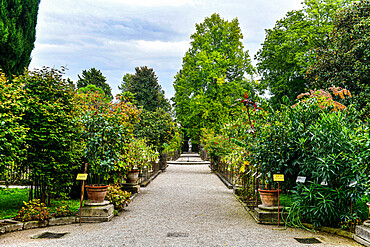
[(33, 210), (63, 211), (118, 197)]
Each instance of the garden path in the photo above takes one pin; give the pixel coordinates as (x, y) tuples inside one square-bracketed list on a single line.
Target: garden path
[(185, 206)]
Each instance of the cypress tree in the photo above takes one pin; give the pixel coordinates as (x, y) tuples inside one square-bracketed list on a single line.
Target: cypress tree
[(18, 20)]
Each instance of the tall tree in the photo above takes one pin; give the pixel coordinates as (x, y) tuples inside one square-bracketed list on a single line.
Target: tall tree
[(53, 137), (286, 52), (147, 92), (95, 77), (17, 34), (209, 81), (345, 60)]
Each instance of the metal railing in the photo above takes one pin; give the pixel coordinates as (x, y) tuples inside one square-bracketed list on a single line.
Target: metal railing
[(147, 173), (245, 184)]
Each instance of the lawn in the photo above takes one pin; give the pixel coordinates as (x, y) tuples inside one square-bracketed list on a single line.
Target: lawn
[(11, 201)]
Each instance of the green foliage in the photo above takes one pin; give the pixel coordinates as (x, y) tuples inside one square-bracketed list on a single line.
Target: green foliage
[(344, 61), (138, 154), (53, 142), (118, 197), (12, 132), (209, 81), (145, 88), (156, 127), (90, 88), (287, 50), (126, 83), (107, 128), (95, 77), (216, 145), (17, 34), (63, 211), (322, 140), (174, 144), (33, 210)]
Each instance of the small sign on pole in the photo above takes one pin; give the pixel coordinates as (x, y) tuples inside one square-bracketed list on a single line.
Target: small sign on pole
[(81, 176), (278, 177)]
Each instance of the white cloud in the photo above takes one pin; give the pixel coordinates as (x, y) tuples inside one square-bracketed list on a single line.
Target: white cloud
[(116, 36), (150, 3)]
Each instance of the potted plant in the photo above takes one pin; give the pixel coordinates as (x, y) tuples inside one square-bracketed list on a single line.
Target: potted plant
[(137, 155), (104, 136), (267, 137)]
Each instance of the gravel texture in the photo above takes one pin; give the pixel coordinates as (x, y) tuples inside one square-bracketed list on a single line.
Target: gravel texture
[(185, 206)]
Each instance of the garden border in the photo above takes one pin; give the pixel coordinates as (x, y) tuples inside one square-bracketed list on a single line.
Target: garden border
[(331, 230)]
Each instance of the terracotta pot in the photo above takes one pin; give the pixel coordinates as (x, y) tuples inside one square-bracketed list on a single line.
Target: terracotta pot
[(132, 176), (269, 198), (96, 193)]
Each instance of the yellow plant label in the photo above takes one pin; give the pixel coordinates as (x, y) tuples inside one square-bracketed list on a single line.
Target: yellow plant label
[(81, 176), (278, 177)]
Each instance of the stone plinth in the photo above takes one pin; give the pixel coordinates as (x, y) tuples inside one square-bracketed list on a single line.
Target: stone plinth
[(363, 235), (131, 187), (96, 213), (269, 215)]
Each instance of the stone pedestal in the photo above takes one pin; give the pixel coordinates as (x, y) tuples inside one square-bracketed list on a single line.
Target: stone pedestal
[(269, 215), (363, 235), (131, 187), (96, 212)]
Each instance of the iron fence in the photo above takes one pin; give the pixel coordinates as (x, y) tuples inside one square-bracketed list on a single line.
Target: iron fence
[(245, 184)]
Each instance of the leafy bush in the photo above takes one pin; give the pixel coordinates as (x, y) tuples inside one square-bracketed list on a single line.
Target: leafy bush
[(53, 137), (118, 197), (107, 128), (12, 132), (63, 211), (318, 138), (156, 127), (33, 210)]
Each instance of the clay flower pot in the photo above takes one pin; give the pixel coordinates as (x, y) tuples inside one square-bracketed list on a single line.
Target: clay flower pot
[(269, 198), (133, 176), (96, 193)]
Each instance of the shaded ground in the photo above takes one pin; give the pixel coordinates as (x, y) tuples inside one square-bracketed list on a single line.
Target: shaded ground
[(185, 206)]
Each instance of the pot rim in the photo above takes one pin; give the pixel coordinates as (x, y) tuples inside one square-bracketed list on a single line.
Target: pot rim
[(97, 186), (268, 191)]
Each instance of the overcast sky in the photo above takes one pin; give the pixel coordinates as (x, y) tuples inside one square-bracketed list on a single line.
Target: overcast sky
[(115, 36)]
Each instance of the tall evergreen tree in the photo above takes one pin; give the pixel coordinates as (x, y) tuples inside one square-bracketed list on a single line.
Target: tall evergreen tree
[(18, 20), (94, 77), (147, 91)]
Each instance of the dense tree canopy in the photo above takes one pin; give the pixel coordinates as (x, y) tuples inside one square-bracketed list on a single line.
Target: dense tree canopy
[(144, 86), (157, 128), (12, 133), (286, 52), (17, 34), (345, 61), (95, 77), (209, 81), (53, 146)]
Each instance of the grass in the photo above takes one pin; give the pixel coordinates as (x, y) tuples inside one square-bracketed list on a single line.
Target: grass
[(11, 201), (286, 200)]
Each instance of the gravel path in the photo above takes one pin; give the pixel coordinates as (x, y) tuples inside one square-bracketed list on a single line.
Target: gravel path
[(185, 206)]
